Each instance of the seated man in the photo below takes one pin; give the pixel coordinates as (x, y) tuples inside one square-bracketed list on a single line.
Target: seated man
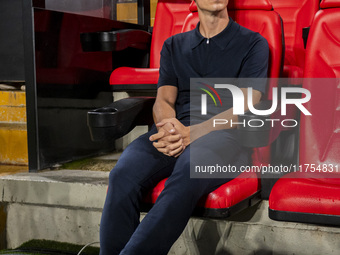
[(218, 47)]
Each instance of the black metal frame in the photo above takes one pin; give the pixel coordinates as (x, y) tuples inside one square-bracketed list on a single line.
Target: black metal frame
[(31, 89), (144, 12), (11, 43), (37, 146)]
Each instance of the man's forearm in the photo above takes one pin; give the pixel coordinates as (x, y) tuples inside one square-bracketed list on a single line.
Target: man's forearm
[(163, 110)]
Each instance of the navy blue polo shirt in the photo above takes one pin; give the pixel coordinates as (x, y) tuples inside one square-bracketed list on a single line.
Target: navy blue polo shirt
[(236, 52)]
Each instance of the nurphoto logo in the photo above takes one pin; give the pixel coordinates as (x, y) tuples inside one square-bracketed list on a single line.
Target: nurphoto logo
[(239, 104)]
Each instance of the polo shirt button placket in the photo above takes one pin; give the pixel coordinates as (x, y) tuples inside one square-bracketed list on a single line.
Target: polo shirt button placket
[(207, 57)]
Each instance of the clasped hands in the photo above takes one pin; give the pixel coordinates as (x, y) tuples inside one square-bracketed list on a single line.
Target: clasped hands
[(172, 137)]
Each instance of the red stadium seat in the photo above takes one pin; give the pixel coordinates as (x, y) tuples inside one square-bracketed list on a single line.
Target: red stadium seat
[(244, 190), (170, 16), (314, 196), (227, 200), (296, 15)]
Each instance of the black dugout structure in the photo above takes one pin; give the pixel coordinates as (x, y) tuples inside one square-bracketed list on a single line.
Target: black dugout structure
[(11, 43), (62, 81)]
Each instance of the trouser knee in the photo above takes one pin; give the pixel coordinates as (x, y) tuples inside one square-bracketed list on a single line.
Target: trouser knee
[(121, 187)]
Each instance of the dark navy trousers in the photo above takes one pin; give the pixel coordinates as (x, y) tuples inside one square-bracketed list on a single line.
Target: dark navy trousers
[(139, 169)]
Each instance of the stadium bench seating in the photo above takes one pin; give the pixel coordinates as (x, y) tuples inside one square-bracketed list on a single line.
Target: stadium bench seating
[(313, 195)]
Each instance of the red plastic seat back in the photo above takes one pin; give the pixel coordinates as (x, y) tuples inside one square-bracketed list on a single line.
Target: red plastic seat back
[(269, 25), (258, 16), (320, 136), (169, 19), (296, 15)]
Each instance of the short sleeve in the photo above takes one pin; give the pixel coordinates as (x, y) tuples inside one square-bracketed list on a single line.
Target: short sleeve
[(167, 74), (255, 65)]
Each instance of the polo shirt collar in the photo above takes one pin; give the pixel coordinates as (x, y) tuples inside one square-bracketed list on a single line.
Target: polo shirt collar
[(222, 39)]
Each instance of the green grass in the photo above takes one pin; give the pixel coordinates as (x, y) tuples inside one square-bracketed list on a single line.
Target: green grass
[(37, 247), (78, 164), (90, 164)]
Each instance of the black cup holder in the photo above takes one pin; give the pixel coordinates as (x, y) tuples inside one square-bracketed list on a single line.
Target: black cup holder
[(119, 118), (103, 117)]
